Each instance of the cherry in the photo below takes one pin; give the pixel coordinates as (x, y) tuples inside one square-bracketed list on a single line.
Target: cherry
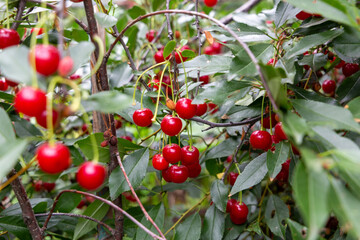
[(238, 213), (213, 108), (275, 139), (230, 203), (340, 65), (118, 124), (42, 121), (279, 132), (295, 150), (178, 59), (129, 196), (210, 3), (38, 186), (53, 159), (3, 85), (65, 66), (150, 35), (204, 79), (11, 83), (185, 109), (48, 186), (30, 101), (271, 61), (177, 34), (126, 138), (283, 175), (159, 162), (179, 174), (209, 50), (75, 77), (329, 86), (76, 1), (189, 156), (38, 30), (232, 178), (81, 204), (159, 57), (216, 47), (229, 159), (349, 69), (303, 15), (84, 128), (194, 170), (166, 174), (261, 140), (154, 83), (91, 175), (46, 57), (171, 125), (172, 153), (8, 38), (201, 109), (266, 121), (142, 117)]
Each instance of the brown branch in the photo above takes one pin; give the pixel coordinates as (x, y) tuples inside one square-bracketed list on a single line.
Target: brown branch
[(170, 32), (26, 209), (20, 9), (228, 124)]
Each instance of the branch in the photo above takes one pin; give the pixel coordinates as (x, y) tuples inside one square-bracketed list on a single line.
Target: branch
[(19, 13), (229, 124), (170, 33), (197, 24)]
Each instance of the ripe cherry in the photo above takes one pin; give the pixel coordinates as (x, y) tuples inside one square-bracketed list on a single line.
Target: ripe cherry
[(349, 69), (38, 30), (84, 128), (194, 170), (154, 84), (48, 186), (279, 132), (30, 101), (179, 174), (171, 125), (303, 15), (3, 85), (216, 47), (329, 86), (213, 108), (229, 159), (266, 121), (75, 77), (150, 35), (65, 66), (238, 213), (11, 83), (8, 38), (129, 196), (283, 175), (126, 138), (91, 175), (159, 57), (172, 153), (38, 186), (166, 174), (46, 58), (118, 124), (53, 159), (271, 61), (261, 140), (189, 156), (232, 178), (76, 1), (201, 109), (230, 203), (209, 50), (185, 109), (204, 79), (42, 121), (159, 162), (142, 117), (210, 3)]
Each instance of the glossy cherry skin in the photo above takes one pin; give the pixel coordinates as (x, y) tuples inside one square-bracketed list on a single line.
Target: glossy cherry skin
[(201, 109), (142, 117), (48, 186), (230, 203), (266, 121), (150, 35), (204, 79), (349, 69), (329, 86), (30, 101), (261, 140), (159, 57), (159, 162), (279, 132), (283, 175), (166, 174), (3, 85), (238, 213), (189, 156), (75, 77), (8, 38), (46, 58), (76, 1), (210, 3), (38, 186), (179, 174), (53, 159), (303, 15), (41, 118), (185, 109), (232, 178), (172, 153), (65, 66), (170, 125), (91, 175), (194, 170)]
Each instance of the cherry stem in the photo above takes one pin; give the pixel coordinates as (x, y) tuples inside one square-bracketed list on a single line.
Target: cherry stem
[(262, 199), (240, 193), (141, 100), (307, 81), (171, 84), (262, 112), (190, 137), (92, 137), (153, 134), (7, 14), (159, 91)]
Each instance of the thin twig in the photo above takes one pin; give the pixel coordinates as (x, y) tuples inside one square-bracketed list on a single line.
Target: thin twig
[(228, 124), (20, 9), (170, 32), (197, 23)]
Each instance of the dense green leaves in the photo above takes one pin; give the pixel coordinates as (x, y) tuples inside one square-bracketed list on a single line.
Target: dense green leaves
[(16, 226), (219, 192), (189, 229), (349, 88), (274, 160), (214, 224), (157, 214), (170, 46), (284, 11)]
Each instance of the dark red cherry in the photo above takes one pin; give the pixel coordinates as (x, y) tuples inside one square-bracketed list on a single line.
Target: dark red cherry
[(283, 175), (172, 153), (91, 175), (159, 162), (150, 35), (274, 139), (48, 186), (303, 15), (8, 38), (53, 159), (232, 178), (238, 213), (349, 69), (166, 174), (201, 109), (194, 170), (216, 47), (266, 121), (229, 159), (329, 86), (142, 117), (38, 186), (261, 140), (159, 57), (46, 58), (340, 65), (185, 109), (204, 79), (279, 132), (230, 203), (118, 124), (170, 125), (30, 101), (75, 77), (179, 174), (42, 121), (189, 156), (295, 150), (210, 3), (3, 85)]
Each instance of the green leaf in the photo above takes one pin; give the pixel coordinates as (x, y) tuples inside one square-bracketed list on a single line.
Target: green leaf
[(105, 20), (219, 193), (296, 229), (253, 173), (86, 148), (318, 113), (9, 153), (136, 11), (6, 128), (189, 229), (348, 159), (135, 167), (68, 202), (188, 53), (310, 95), (157, 4), (107, 102), (16, 226), (80, 53), (157, 213), (284, 12), (315, 61), (353, 107), (7, 97), (120, 75), (276, 211), (132, 35), (330, 140), (170, 46), (295, 127), (97, 210), (274, 160), (348, 43), (214, 224), (349, 88), (34, 202), (24, 128), (224, 149)]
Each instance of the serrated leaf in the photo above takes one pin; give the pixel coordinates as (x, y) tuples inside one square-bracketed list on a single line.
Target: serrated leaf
[(253, 173), (284, 11), (9, 153), (105, 20), (219, 192), (348, 43), (170, 46), (315, 61), (189, 229), (157, 213), (276, 211), (107, 102), (349, 88), (274, 160), (80, 53), (214, 224), (296, 229)]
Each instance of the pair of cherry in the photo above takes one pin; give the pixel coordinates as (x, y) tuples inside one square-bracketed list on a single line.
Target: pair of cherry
[(263, 140), (159, 55), (213, 49), (40, 186), (238, 211)]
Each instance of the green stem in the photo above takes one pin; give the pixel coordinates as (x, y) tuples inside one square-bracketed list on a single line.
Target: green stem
[(159, 91), (92, 136), (141, 100), (262, 112), (190, 139)]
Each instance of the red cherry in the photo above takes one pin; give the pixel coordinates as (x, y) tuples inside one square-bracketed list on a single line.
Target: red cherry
[(230, 203), (172, 153), (261, 140), (232, 178), (30, 101), (283, 175), (340, 65), (185, 108), (65, 66), (229, 159), (209, 50), (150, 35), (266, 121), (8, 38), (142, 117), (271, 61), (118, 124), (204, 79), (179, 174), (38, 186), (238, 213), (3, 85), (189, 156), (216, 47), (166, 174), (177, 58), (40, 31), (201, 109), (210, 3), (275, 139), (349, 69), (159, 57), (154, 83), (329, 86), (91, 175), (75, 77), (46, 58), (11, 83), (295, 150), (159, 162), (213, 108), (76, 1), (303, 15), (170, 125), (126, 138), (42, 121), (81, 204), (48, 186), (84, 128), (177, 34), (129, 196), (53, 159), (279, 132), (194, 170)]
